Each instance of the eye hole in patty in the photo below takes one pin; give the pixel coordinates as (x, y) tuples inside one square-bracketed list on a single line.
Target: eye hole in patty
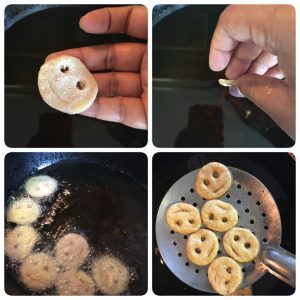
[(215, 174), (206, 182)]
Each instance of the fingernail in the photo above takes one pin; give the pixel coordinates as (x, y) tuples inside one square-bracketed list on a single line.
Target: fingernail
[(80, 21), (235, 92)]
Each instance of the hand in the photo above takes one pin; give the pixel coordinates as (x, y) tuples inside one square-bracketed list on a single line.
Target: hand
[(123, 91), (257, 45)]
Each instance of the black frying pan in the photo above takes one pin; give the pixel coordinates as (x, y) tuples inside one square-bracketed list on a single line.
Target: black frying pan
[(275, 170), (108, 204)]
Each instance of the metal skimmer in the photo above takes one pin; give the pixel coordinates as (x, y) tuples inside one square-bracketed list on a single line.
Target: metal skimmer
[(257, 211)]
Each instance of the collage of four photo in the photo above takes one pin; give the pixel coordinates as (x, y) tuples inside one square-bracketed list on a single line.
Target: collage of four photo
[(149, 142)]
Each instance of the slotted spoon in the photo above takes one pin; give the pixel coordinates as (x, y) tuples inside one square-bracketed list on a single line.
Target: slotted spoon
[(257, 211)]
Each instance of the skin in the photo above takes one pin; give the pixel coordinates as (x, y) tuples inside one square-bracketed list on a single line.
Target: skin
[(123, 87), (256, 45)]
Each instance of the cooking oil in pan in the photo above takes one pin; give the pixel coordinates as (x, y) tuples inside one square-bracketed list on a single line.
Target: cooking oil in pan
[(104, 205)]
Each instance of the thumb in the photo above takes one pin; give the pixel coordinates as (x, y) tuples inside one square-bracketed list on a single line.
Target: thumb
[(273, 96)]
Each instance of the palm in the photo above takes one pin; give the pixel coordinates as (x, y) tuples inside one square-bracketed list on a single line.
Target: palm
[(123, 89)]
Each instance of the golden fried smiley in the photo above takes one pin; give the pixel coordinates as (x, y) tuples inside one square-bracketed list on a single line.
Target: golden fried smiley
[(225, 275), (218, 215), (202, 247), (241, 244), (212, 181), (183, 218)]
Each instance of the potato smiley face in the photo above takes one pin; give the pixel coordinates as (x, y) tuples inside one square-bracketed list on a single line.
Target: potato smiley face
[(67, 85), (218, 215), (71, 251), (225, 275), (183, 218), (202, 247), (23, 211), (212, 181), (20, 241), (111, 275), (74, 282), (38, 271), (40, 186), (241, 244)]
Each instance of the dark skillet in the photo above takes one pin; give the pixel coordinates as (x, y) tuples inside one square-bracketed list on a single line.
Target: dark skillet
[(108, 205)]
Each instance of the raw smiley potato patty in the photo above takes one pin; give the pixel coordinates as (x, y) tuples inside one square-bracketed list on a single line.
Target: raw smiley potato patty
[(20, 241), (40, 186), (67, 85)]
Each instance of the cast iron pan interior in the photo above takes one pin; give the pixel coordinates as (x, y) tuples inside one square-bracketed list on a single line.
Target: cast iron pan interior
[(107, 204), (275, 170), (33, 32)]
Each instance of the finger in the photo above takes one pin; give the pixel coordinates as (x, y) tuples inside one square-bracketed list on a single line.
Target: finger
[(241, 60), (119, 84), (245, 23), (125, 110), (117, 57), (272, 96), (263, 63), (132, 20), (144, 79), (275, 72), (221, 49)]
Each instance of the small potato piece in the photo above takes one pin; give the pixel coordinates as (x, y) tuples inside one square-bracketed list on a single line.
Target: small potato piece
[(226, 82)]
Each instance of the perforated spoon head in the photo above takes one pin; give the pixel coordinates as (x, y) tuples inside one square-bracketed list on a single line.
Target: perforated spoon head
[(257, 211)]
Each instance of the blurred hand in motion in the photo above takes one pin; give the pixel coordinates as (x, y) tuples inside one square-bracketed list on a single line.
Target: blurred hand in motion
[(123, 89), (256, 45)]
